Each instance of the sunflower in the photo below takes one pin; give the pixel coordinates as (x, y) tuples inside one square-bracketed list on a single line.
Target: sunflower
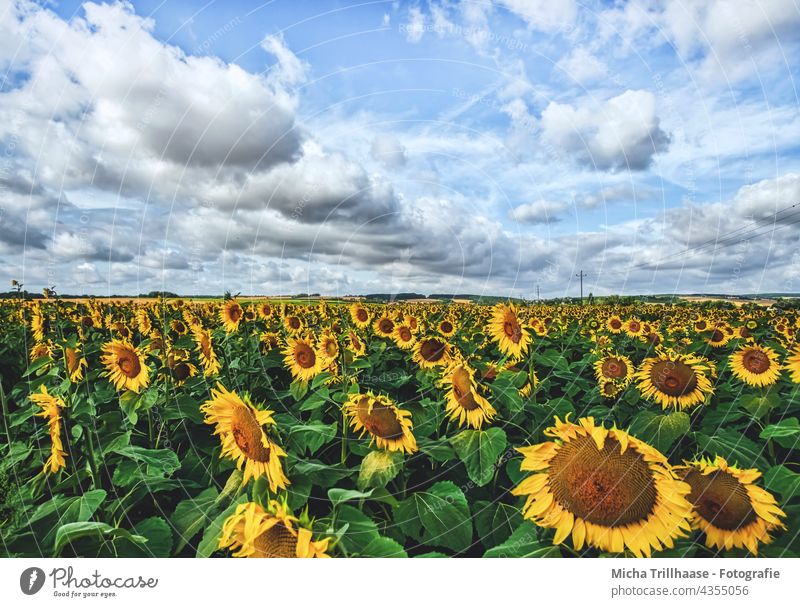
[(205, 349), (609, 388), (389, 426), (614, 324), (327, 347), (605, 487), (179, 367), (404, 337), (383, 326), (675, 380), (125, 366), (729, 508), (269, 340), (39, 325), (239, 425), (360, 315), (447, 327), (355, 344), (614, 367), (633, 327), (756, 365), (51, 410), (506, 329), (464, 404), (74, 363), (179, 327), (254, 532), (301, 358), (230, 314), (142, 321), (293, 324), (430, 352), (265, 310), (41, 349), (793, 364), (719, 337)]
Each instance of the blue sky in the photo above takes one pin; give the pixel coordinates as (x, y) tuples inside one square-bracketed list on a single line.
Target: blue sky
[(355, 147)]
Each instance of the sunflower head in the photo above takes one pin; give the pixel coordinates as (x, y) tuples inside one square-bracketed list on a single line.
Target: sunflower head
[(231, 315), (756, 365), (271, 532), (729, 507), (606, 488), (388, 426), (507, 331), (240, 427), (51, 407), (301, 358), (404, 337), (464, 403), (675, 380), (383, 326), (125, 366), (430, 352), (360, 315), (614, 367)]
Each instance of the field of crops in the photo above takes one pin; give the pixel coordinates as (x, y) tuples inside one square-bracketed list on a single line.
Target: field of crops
[(180, 428)]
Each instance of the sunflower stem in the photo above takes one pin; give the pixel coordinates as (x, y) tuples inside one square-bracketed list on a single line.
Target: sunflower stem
[(5, 415)]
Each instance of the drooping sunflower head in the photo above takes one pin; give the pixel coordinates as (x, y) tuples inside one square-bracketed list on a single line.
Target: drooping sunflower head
[(674, 380), (240, 428), (74, 362), (255, 532), (388, 426), (206, 352), (507, 331), (301, 358), (179, 367), (464, 403), (606, 488), (125, 366), (355, 344), (404, 337), (230, 314), (51, 407), (430, 352), (756, 365), (793, 364), (729, 507)]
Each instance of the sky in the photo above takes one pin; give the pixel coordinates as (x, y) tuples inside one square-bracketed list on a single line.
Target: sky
[(435, 146)]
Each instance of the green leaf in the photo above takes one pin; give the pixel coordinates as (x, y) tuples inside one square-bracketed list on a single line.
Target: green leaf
[(438, 450), (660, 431), (384, 547), (479, 450), (786, 433), (192, 515), (320, 380), (183, 407), (523, 543), (159, 539), (780, 479), (734, 447), (298, 389), (340, 496), (310, 436), (444, 514), (157, 460), (316, 400), (758, 406), (378, 468), (66, 534), (210, 542), (361, 529), (494, 522), (129, 403)]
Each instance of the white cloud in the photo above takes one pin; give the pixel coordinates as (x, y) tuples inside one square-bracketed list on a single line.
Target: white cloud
[(582, 67), (544, 15), (623, 133), (415, 26), (539, 212)]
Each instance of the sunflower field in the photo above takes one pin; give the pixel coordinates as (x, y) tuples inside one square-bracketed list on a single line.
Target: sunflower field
[(257, 428)]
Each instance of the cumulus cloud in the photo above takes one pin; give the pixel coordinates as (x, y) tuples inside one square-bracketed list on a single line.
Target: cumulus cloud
[(388, 150), (582, 67), (543, 15), (415, 26), (624, 133), (539, 212)]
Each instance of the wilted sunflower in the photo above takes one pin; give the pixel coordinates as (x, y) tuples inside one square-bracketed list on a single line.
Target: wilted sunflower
[(205, 349), (51, 410), (41, 349), (383, 326), (74, 362), (269, 339), (179, 367), (464, 404), (507, 331), (360, 315), (230, 314), (675, 380), (793, 364), (125, 366), (756, 365), (729, 508), (389, 426), (301, 358), (430, 352), (605, 487), (239, 425), (254, 532), (614, 367), (404, 337)]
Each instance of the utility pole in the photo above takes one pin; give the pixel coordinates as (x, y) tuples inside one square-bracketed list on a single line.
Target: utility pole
[(537, 293), (581, 275)]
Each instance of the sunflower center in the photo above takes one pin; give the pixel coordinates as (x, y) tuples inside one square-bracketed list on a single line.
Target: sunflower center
[(304, 355), (181, 371), (634, 326), (404, 333), (756, 361), (294, 322), (247, 435), (512, 329), (615, 323), (381, 420), (604, 486), (717, 335), (128, 363), (235, 312), (462, 389), (361, 315), (720, 499), (673, 377), (432, 350), (446, 326), (277, 542), (614, 368), (386, 325)]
